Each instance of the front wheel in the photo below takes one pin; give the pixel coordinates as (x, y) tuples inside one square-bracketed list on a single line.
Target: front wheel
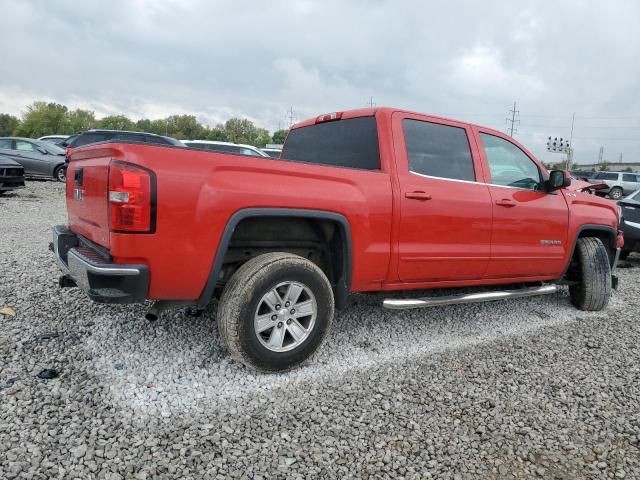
[(615, 193), (60, 173), (592, 273), (275, 311)]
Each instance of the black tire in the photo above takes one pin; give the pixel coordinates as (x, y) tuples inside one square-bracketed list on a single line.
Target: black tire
[(593, 275), (60, 173), (615, 193), (624, 254), (243, 296)]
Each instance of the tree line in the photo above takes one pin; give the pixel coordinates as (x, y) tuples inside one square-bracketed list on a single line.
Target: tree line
[(42, 118)]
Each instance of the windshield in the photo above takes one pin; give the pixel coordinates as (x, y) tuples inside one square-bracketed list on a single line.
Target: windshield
[(52, 148)]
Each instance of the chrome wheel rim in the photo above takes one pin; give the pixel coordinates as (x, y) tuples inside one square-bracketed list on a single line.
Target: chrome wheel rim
[(62, 175), (285, 316)]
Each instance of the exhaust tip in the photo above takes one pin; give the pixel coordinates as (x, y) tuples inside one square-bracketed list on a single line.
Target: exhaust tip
[(65, 281)]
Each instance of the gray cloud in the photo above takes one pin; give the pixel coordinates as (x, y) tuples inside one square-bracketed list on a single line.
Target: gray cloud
[(469, 60)]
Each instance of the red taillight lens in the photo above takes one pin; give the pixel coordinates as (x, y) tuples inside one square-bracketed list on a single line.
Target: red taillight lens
[(131, 198)]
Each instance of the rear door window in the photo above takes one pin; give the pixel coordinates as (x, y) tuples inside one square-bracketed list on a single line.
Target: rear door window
[(628, 177), (438, 150), (5, 143), (351, 143)]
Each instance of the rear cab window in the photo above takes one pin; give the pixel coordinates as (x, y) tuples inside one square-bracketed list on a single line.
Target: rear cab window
[(92, 137), (349, 143)]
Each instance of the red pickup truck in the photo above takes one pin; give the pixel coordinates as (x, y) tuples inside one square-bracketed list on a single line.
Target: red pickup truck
[(364, 200)]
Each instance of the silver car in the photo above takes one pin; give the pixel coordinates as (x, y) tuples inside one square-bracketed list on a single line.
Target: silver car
[(39, 158), (620, 183)]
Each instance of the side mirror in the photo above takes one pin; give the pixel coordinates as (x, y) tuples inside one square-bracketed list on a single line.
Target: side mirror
[(558, 179), (43, 150)]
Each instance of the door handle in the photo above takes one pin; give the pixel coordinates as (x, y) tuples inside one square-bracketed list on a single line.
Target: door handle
[(418, 195), (505, 202)]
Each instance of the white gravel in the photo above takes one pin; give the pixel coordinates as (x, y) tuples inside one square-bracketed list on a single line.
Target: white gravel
[(512, 389)]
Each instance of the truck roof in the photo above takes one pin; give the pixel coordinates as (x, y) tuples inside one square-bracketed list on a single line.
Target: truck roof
[(368, 112)]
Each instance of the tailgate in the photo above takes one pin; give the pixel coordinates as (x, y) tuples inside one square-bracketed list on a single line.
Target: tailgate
[(87, 192)]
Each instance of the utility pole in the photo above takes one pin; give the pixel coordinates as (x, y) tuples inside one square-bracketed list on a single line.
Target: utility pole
[(290, 116), (370, 102), (570, 150), (600, 155), (514, 120)]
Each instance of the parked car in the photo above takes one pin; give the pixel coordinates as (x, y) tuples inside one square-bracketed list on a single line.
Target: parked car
[(94, 136), (272, 152), (228, 147), (39, 158), (56, 139), (620, 183), (11, 175), (362, 200), (630, 207)]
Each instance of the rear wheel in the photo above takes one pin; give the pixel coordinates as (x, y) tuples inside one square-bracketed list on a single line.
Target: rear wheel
[(615, 193), (592, 273), (60, 173), (275, 311)]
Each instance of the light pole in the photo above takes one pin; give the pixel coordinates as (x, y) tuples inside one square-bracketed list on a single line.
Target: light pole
[(561, 145)]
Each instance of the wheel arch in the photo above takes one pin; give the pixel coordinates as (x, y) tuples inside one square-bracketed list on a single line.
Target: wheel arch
[(342, 282), (604, 232)]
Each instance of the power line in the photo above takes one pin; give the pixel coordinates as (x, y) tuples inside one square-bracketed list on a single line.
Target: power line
[(513, 120)]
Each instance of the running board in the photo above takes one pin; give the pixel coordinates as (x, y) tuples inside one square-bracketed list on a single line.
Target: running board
[(468, 298)]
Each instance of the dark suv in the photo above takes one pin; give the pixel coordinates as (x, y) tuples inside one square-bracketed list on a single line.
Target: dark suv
[(95, 136)]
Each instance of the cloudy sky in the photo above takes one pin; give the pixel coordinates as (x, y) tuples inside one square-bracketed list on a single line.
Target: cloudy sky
[(216, 59)]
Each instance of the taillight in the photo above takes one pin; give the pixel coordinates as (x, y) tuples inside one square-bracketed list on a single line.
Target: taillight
[(132, 192)]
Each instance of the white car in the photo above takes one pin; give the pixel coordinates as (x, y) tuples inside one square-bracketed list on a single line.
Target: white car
[(57, 139), (225, 147)]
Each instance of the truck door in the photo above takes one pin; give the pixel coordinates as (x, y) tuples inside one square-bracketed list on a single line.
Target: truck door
[(529, 225), (444, 230)]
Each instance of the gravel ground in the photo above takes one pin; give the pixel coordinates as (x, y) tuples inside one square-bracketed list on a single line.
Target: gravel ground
[(519, 389)]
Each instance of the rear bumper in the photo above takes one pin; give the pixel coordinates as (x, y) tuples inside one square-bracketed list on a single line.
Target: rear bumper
[(95, 273)]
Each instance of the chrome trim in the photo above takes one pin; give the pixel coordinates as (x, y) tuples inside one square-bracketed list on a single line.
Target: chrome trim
[(404, 304), (76, 258), (446, 179), (473, 182)]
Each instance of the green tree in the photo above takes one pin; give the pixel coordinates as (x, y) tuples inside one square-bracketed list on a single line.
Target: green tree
[(185, 127), (240, 130), (279, 136), (628, 169), (217, 133), (116, 122), (8, 123), (604, 167), (41, 118), (80, 120)]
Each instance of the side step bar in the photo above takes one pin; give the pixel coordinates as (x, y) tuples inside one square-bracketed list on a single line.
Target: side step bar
[(468, 298)]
